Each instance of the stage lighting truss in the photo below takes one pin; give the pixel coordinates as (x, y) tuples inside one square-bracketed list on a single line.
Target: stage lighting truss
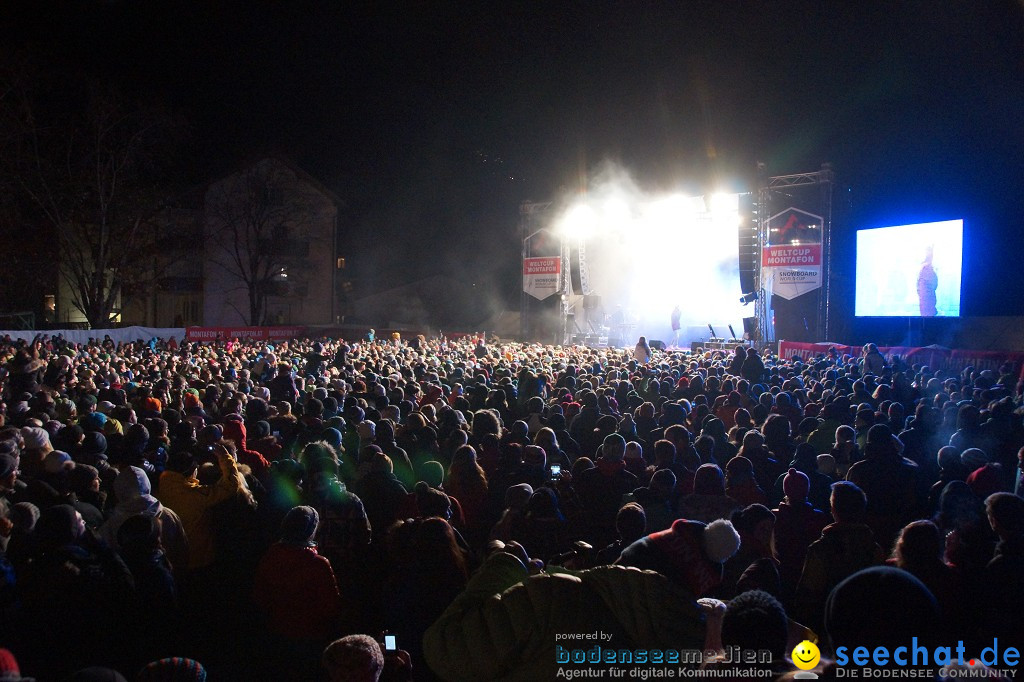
[(771, 186)]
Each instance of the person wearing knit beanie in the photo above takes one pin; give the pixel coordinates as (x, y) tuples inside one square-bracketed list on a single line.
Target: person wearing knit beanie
[(880, 606), (294, 587), (796, 486), (635, 453), (740, 482), (432, 502), (9, 669), (432, 473), (755, 620), (174, 669), (367, 432), (973, 459), (948, 458), (613, 448), (36, 438), (299, 526), (516, 496), (93, 421), (880, 434), (96, 674), (153, 406), (987, 480), (24, 516), (689, 553), (57, 461), (8, 465)]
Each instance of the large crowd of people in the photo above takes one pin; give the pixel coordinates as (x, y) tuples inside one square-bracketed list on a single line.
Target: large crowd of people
[(424, 509)]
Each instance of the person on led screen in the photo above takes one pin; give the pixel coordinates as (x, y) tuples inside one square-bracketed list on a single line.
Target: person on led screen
[(910, 270), (927, 283)]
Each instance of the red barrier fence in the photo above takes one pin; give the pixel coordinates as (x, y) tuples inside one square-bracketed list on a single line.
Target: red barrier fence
[(350, 332), (257, 333)]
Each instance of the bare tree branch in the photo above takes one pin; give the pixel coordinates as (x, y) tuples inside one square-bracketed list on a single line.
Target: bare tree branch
[(253, 217), (88, 176)]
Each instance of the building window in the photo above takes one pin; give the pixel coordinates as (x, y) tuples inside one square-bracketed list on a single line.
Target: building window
[(50, 307)]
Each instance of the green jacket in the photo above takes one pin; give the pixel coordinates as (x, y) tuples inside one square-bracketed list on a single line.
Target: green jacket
[(503, 626), (822, 438)]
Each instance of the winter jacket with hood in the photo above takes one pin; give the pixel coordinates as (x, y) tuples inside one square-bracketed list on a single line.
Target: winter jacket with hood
[(822, 438), (842, 550), (268, 446), (796, 527), (601, 489), (503, 626), (235, 431), (297, 592), (193, 503), (888, 481), (134, 496)]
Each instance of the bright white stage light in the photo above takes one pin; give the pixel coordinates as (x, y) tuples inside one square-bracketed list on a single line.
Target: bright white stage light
[(616, 215), (580, 222), (721, 203), (678, 250)]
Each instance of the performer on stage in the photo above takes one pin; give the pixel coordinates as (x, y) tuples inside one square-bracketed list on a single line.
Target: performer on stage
[(676, 315)]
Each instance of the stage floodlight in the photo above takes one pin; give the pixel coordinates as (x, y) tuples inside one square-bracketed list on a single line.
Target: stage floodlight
[(615, 215), (721, 203), (579, 223)]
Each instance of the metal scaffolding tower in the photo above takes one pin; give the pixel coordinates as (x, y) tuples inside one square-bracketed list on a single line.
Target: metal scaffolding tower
[(533, 219), (824, 179)]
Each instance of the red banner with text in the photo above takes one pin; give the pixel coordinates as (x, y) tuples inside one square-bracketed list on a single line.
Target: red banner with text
[(792, 260), (936, 357), (542, 276), (255, 333), (788, 255)]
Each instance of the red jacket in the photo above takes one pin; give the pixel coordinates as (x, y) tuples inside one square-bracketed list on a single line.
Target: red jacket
[(235, 431), (296, 590), (268, 447)]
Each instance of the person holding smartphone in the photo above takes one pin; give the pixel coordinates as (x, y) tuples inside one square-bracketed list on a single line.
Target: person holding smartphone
[(360, 658), (194, 502)]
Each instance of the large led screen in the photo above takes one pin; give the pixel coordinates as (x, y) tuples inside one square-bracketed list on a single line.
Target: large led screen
[(910, 270)]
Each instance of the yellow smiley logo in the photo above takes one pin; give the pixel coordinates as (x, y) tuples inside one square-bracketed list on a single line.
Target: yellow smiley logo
[(806, 655)]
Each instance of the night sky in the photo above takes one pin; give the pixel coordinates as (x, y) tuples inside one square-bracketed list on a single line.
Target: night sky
[(432, 121)]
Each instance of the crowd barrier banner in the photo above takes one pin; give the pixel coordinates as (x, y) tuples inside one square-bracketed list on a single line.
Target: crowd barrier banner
[(119, 335), (254, 333), (936, 357)]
